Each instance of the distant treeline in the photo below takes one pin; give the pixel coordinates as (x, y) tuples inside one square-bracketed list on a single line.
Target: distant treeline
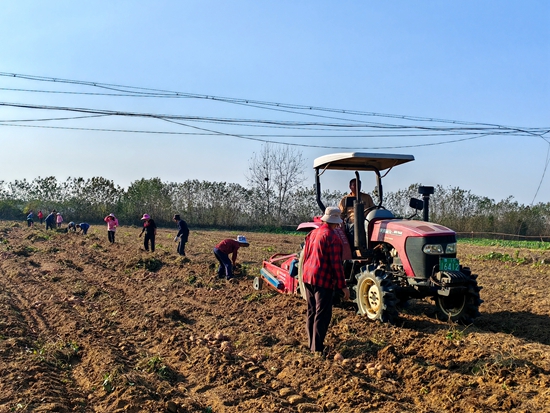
[(229, 205)]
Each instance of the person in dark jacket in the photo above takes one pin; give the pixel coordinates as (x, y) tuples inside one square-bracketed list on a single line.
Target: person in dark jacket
[(182, 235), (150, 229), (30, 220), (50, 220)]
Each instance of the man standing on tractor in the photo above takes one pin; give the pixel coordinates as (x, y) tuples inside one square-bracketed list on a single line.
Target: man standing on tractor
[(346, 206), (323, 272)]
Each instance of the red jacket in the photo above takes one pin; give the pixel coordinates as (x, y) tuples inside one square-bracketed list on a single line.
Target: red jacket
[(323, 265)]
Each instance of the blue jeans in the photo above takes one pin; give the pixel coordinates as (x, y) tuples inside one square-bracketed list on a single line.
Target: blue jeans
[(226, 267)]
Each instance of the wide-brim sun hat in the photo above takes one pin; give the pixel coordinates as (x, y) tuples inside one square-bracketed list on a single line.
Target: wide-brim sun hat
[(145, 216), (332, 215), (242, 239)]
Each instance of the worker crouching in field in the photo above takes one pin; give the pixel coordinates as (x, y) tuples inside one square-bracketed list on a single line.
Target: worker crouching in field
[(222, 251), (150, 229), (83, 227), (323, 271)]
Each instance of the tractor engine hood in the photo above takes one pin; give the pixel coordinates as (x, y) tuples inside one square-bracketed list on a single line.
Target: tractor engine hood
[(389, 230)]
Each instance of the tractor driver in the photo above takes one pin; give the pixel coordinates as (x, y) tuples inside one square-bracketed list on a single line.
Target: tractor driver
[(346, 206)]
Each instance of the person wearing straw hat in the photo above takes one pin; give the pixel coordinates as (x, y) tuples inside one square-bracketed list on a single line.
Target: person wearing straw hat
[(150, 229), (323, 272), (222, 251), (112, 224)]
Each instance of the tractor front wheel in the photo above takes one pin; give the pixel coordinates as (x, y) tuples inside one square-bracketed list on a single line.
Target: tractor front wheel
[(375, 295), (461, 308)]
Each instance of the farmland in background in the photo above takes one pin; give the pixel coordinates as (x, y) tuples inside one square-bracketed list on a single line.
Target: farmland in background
[(88, 326)]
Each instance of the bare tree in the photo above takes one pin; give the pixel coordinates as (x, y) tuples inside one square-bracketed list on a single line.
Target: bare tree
[(274, 173)]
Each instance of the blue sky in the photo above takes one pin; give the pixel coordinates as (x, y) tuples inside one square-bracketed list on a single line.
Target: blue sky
[(483, 62)]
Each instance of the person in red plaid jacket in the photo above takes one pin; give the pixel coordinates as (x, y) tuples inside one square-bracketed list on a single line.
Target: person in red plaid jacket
[(322, 272)]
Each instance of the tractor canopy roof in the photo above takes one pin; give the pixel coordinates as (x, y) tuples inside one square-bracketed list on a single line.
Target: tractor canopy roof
[(360, 161)]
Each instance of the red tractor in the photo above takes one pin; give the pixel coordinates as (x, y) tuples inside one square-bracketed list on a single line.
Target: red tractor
[(390, 259)]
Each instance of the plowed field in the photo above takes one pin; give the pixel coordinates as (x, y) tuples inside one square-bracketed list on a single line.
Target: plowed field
[(86, 326)]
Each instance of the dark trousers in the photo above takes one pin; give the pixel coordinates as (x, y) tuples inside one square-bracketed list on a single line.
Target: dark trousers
[(319, 313), (181, 247), (226, 267), (111, 235), (146, 239), (49, 225)]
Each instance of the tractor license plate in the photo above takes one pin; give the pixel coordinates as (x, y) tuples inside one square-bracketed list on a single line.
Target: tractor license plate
[(449, 264)]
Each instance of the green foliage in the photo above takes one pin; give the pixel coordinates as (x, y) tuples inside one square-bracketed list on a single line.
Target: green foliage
[(497, 256), (150, 264), (454, 334), (535, 245), (259, 296), (155, 364), (107, 383), (277, 205), (59, 354)]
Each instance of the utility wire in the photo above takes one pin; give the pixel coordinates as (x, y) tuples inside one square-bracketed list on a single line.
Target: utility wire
[(262, 123), (137, 91)]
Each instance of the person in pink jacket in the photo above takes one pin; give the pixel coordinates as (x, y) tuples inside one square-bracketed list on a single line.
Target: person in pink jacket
[(112, 223), (59, 220)]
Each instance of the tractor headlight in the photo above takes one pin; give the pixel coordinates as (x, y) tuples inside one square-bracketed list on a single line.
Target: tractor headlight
[(451, 248), (433, 249)]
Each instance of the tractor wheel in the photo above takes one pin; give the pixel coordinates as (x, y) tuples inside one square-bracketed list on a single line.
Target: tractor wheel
[(301, 287), (375, 295), (461, 308), (258, 283)]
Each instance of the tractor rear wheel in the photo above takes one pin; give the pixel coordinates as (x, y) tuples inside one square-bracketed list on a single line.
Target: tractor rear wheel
[(461, 308), (375, 295)]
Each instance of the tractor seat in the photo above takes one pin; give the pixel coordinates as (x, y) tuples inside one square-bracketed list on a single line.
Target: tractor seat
[(378, 214)]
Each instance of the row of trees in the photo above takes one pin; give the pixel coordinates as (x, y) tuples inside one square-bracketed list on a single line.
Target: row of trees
[(201, 203), (275, 197), (221, 204)]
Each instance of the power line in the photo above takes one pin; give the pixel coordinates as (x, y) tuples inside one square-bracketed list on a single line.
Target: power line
[(141, 91), (473, 130), (263, 122)]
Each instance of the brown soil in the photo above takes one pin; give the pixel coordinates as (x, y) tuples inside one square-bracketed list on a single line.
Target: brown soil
[(86, 326)]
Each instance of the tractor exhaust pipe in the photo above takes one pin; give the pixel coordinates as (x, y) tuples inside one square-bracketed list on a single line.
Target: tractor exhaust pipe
[(426, 191), (359, 234)]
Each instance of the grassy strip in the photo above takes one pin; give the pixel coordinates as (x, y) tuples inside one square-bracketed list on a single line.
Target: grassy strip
[(536, 245)]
